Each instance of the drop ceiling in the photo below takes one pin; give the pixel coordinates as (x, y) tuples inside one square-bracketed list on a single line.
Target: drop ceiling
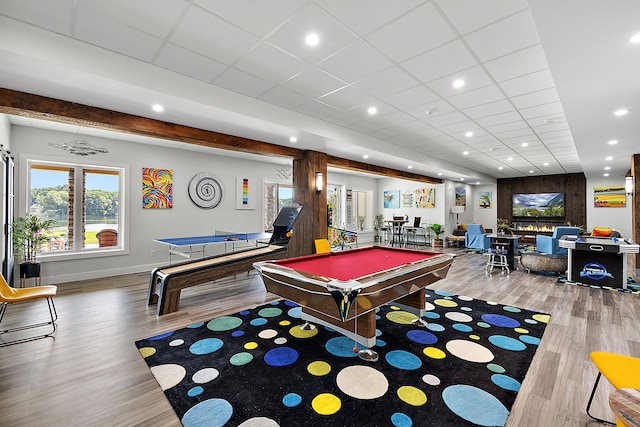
[(541, 80)]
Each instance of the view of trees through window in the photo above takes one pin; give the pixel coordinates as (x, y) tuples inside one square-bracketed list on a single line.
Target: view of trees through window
[(276, 196), (53, 194)]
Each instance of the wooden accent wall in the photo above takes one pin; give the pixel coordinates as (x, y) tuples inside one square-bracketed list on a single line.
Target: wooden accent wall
[(635, 208), (573, 185)]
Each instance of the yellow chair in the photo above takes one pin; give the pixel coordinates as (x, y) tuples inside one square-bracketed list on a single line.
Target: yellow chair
[(9, 295), (322, 246), (621, 371)]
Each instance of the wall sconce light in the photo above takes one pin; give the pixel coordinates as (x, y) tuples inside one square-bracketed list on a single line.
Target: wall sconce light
[(457, 210), (319, 183), (628, 185)]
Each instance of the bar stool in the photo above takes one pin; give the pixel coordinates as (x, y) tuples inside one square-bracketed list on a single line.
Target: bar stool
[(498, 258)]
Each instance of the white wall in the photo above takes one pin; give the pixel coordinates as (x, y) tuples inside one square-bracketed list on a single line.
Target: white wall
[(618, 218), (436, 215)]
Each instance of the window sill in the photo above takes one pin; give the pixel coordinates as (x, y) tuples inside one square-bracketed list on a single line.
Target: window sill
[(70, 255)]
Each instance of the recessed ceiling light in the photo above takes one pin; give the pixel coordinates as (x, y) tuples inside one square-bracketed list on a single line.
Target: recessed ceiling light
[(607, 168), (372, 110), (312, 39), (621, 112), (410, 167), (461, 179), (608, 158), (613, 142), (510, 158), (365, 156), (293, 139), (439, 173), (466, 153), (635, 38), (500, 168), (458, 83), (468, 134), (157, 108), (524, 144), (545, 164), (530, 171), (477, 182), (605, 174)]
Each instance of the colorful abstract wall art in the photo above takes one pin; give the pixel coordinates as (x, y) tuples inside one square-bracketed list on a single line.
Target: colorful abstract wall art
[(609, 197), (426, 198), (484, 200), (245, 193), (157, 188), (392, 199), (407, 199)]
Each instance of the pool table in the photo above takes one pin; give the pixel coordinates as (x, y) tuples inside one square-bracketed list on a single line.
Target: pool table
[(343, 289)]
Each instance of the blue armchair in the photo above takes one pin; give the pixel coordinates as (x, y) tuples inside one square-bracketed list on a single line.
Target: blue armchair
[(476, 238), (550, 244)]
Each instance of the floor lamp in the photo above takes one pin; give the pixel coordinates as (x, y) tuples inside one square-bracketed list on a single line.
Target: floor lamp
[(457, 210)]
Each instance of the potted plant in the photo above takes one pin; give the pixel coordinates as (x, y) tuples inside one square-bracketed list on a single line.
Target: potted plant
[(30, 233), (504, 227), (378, 225), (437, 230)]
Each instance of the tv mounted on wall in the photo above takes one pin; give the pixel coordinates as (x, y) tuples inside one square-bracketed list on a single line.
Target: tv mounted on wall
[(538, 205)]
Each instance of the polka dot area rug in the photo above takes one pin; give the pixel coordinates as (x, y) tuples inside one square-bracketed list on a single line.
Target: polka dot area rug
[(259, 368)]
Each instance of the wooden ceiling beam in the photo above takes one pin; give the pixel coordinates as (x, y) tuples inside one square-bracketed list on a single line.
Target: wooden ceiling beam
[(41, 107)]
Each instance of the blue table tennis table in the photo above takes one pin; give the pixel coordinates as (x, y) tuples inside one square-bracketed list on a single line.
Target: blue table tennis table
[(188, 247)]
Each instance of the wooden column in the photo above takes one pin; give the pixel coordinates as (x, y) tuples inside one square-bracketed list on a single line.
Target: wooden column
[(312, 221), (635, 208)]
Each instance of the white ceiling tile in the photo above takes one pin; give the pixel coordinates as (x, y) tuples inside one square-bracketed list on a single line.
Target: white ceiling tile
[(442, 61), (527, 83), (386, 82), (310, 18), (445, 119), (489, 109), (523, 62), (364, 16), (437, 108), (397, 118), (346, 98), (469, 15), (499, 119), (550, 109), (313, 83), (241, 82), (506, 127), (417, 95), (281, 65), (114, 35), (189, 63), (145, 15), (355, 62), (257, 16), (412, 34), (485, 95), (474, 78), (56, 16), (532, 99), (280, 95), (202, 32), (508, 35)]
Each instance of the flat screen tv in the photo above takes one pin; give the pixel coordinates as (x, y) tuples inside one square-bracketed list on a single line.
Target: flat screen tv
[(538, 205)]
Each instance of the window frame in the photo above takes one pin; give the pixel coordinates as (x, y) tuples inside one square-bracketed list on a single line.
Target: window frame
[(26, 162)]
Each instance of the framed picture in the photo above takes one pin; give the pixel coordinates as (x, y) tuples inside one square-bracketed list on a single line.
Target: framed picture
[(484, 200), (245, 193), (461, 196), (426, 198), (407, 199), (392, 199), (609, 197), (157, 188)]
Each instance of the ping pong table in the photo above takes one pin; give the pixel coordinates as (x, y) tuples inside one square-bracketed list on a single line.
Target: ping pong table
[(188, 247)]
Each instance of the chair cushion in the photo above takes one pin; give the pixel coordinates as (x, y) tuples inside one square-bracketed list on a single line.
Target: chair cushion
[(621, 371), (601, 232), (464, 227)]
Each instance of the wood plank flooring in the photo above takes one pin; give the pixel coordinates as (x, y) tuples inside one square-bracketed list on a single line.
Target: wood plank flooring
[(91, 374)]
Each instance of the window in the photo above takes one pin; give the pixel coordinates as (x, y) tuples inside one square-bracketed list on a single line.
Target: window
[(83, 200), (334, 213), (276, 196), (362, 210)]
